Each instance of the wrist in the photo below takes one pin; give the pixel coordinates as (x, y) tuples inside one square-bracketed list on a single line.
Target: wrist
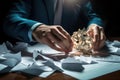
[(36, 31)]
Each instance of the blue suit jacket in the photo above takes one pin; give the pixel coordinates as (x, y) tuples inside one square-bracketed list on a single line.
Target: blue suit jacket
[(25, 13)]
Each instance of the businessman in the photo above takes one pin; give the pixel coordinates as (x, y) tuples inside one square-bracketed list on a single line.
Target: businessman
[(53, 21)]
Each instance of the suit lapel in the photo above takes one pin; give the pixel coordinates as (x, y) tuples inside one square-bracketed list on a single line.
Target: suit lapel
[(50, 10)]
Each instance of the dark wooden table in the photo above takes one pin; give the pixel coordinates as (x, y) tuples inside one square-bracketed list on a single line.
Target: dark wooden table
[(57, 76)]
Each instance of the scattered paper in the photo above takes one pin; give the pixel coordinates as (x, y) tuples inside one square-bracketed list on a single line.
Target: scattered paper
[(72, 64), (19, 46), (116, 43), (27, 65), (40, 67), (44, 67), (3, 49), (11, 59), (114, 47), (2, 66), (2, 58), (49, 62)]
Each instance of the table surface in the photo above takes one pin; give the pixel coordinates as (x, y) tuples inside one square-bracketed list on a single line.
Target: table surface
[(57, 75)]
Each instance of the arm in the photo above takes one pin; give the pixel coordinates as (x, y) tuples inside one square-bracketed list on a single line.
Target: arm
[(93, 17), (95, 28), (17, 23)]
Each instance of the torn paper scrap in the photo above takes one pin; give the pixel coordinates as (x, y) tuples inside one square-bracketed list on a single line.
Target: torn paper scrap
[(27, 61), (2, 66), (49, 62), (12, 59), (72, 64), (19, 46), (28, 66), (3, 49), (116, 43), (40, 67), (2, 58)]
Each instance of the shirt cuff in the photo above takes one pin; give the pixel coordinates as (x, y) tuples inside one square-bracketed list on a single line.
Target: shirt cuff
[(31, 30)]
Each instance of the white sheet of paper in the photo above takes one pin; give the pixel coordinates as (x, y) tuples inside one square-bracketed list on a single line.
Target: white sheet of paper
[(45, 49), (94, 70), (77, 59), (111, 58)]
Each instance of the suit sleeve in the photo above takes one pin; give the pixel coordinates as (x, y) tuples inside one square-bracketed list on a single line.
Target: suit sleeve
[(93, 18), (18, 23)]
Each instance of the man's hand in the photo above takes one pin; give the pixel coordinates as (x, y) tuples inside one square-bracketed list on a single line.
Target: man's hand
[(54, 36), (98, 35)]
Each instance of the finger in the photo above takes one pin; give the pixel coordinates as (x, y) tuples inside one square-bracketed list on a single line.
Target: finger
[(58, 34), (102, 43), (46, 41), (90, 33), (64, 32), (63, 38), (96, 38), (96, 34), (102, 38), (57, 41), (70, 44), (51, 44)]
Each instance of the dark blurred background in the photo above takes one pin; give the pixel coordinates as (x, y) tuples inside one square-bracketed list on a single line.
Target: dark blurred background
[(109, 11), (4, 7)]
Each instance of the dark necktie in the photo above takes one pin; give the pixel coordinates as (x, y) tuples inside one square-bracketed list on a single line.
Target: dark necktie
[(58, 12)]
